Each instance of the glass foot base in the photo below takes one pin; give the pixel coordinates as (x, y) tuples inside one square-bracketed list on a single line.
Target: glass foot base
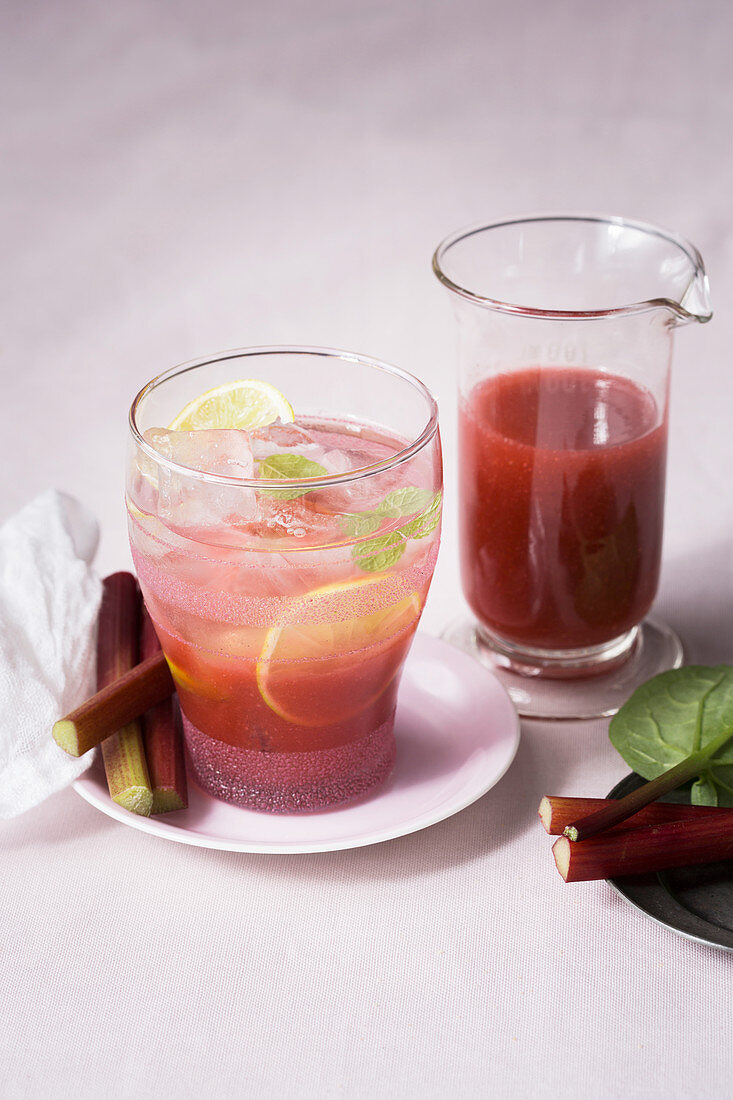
[(656, 649)]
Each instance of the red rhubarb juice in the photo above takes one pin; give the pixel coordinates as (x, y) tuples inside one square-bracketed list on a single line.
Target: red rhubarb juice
[(562, 498)]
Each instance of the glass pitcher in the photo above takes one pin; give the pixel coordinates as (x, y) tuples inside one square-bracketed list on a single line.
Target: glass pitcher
[(565, 326)]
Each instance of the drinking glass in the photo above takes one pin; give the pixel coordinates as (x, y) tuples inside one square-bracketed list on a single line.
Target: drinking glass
[(565, 326), (286, 605)]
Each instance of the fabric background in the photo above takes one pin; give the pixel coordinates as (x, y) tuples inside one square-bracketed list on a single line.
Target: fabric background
[(179, 178)]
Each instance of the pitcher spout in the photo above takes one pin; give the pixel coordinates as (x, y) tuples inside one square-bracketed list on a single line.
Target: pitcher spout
[(695, 304)]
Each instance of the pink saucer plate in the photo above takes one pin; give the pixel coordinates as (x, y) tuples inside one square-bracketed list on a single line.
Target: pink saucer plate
[(457, 733)]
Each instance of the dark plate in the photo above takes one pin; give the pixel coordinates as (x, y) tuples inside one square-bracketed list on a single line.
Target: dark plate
[(696, 902)]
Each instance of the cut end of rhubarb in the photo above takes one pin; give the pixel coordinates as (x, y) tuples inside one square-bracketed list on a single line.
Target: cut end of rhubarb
[(127, 773), (138, 800), (66, 736), (545, 812), (561, 852), (167, 801)]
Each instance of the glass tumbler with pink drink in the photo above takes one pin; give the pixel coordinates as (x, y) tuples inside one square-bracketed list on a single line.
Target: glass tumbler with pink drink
[(284, 510)]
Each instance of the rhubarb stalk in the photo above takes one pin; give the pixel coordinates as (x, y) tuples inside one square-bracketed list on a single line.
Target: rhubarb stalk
[(117, 652), (114, 706), (557, 812), (642, 850), (619, 809), (163, 739)]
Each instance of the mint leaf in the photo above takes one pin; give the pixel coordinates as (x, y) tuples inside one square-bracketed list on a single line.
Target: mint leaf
[(376, 555), (289, 467), (404, 502), (398, 503), (424, 524), (685, 714), (361, 523)]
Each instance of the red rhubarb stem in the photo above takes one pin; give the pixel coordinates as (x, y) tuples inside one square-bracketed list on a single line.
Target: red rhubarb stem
[(618, 810), (556, 812), (163, 738), (643, 850), (117, 652), (114, 706)]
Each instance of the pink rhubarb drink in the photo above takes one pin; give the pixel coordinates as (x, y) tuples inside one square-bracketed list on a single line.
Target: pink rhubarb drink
[(285, 554)]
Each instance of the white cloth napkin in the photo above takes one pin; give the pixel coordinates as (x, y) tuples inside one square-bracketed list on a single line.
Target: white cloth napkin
[(49, 598)]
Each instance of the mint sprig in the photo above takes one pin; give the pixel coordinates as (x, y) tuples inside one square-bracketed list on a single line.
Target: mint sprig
[(376, 555), (424, 524), (383, 551), (372, 555), (404, 502), (289, 467), (359, 524)]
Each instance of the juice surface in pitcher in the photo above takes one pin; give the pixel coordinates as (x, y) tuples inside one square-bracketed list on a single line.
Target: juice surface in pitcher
[(562, 475)]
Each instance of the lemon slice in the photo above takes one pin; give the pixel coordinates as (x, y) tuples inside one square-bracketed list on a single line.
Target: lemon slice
[(246, 404), (186, 682), (322, 672)]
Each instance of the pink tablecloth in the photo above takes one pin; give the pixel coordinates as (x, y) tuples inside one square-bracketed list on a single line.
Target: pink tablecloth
[(178, 179)]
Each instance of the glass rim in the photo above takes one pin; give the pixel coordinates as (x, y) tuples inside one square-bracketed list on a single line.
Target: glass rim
[(403, 455), (515, 308)]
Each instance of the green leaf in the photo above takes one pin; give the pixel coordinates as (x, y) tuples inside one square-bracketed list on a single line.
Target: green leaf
[(720, 771), (704, 792), (359, 524), (675, 715), (289, 467), (424, 524), (376, 555), (398, 503), (404, 502)]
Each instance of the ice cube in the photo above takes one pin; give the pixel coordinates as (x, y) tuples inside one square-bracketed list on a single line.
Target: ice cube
[(291, 438), (188, 504), (224, 451), (298, 520), (367, 492), (278, 437), (364, 494)]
